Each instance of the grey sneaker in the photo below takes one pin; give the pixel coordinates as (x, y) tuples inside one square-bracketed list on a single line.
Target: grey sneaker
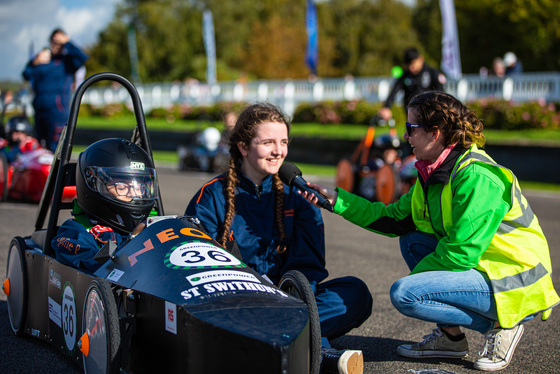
[(498, 348), (334, 361), (436, 344)]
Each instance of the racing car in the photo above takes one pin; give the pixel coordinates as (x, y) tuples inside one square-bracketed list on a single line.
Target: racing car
[(23, 178), (170, 299)]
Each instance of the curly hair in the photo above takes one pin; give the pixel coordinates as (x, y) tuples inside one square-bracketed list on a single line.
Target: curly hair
[(457, 123), (244, 132)]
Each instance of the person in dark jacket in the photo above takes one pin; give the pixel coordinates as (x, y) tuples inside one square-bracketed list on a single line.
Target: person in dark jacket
[(51, 73), (418, 77), (277, 230)]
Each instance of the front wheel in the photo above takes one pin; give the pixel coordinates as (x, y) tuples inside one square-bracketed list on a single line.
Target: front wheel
[(15, 285), (101, 339), (294, 283)]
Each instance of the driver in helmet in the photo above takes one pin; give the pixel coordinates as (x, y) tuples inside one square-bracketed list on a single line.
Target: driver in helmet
[(387, 146), (19, 140), (116, 189)]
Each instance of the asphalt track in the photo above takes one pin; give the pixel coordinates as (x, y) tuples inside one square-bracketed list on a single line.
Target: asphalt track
[(350, 251)]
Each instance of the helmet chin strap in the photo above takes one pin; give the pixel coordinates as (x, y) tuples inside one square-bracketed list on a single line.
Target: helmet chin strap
[(137, 219)]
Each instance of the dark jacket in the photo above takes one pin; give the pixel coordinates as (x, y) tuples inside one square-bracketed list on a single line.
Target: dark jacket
[(78, 241), (428, 79), (52, 82), (255, 231)]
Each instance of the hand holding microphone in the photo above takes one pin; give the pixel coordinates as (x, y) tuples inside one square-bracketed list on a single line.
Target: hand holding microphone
[(291, 175)]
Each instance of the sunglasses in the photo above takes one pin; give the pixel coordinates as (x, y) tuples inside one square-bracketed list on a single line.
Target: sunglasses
[(410, 126)]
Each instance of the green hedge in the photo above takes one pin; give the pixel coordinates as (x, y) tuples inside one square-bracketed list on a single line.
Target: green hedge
[(495, 114), (189, 112), (504, 115), (357, 112)]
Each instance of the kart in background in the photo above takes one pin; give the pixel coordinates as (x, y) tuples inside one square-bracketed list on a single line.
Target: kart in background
[(369, 173), (24, 178), (206, 153), (169, 300)]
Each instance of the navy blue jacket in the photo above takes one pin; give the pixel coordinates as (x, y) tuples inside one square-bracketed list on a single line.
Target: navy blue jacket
[(78, 241), (52, 82), (255, 231)]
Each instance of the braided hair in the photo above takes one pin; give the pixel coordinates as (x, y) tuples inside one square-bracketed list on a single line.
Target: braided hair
[(457, 123), (244, 132)]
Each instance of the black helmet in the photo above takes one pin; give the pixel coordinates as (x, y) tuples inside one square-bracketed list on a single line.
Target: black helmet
[(387, 141), (116, 183), (18, 123)]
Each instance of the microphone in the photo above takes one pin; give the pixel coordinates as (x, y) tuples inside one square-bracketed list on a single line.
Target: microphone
[(291, 175)]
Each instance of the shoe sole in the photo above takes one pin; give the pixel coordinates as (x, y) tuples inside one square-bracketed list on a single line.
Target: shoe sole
[(516, 340), (351, 362), (430, 354)]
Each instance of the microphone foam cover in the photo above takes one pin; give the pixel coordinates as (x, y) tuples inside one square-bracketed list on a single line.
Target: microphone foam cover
[(288, 172)]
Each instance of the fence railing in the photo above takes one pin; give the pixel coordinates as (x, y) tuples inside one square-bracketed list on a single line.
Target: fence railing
[(288, 94)]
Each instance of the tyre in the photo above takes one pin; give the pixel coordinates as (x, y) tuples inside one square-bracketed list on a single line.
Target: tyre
[(4, 187), (15, 285), (386, 185), (345, 172), (101, 339), (296, 284)]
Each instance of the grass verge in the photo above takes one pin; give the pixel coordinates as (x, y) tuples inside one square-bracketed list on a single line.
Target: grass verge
[(340, 131)]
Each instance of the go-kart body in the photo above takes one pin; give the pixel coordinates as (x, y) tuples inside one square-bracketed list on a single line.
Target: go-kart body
[(190, 307), (170, 299), (28, 174)]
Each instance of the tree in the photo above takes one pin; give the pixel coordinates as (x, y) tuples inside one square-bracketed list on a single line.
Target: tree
[(266, 39), (489, 28), (369, 36)]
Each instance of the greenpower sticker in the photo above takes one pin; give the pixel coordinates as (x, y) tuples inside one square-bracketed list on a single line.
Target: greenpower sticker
[(200, 255), (221, 275)]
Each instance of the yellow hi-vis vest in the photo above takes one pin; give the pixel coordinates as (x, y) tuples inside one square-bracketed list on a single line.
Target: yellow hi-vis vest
[(517, 261)]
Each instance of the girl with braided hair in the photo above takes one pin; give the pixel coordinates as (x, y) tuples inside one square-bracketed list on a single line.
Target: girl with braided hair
[(477, 254), (276, 229)]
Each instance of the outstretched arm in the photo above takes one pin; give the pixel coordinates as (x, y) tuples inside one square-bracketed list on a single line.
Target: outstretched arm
[(327, 192)]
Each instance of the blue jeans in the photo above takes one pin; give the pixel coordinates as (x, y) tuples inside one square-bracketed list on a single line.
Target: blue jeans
[(343, 304), (448, 298)]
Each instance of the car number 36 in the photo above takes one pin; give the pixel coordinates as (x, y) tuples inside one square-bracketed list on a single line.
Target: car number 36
[(69, 317), (201, 254)]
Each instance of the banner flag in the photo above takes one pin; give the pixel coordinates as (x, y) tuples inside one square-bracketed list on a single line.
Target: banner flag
[(451, 58), (209, 46), (133, 54), (312, 52)]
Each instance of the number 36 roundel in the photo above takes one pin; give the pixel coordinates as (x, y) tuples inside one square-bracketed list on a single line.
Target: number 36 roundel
[(199, 255)]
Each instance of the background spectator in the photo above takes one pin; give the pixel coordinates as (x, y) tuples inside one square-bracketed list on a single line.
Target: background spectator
[(51, 73), (513, 65)]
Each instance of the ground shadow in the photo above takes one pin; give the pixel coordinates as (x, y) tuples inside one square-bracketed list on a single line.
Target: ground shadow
[(377, 349)]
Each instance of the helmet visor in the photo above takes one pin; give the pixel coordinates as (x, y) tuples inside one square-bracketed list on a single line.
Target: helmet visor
[(123, 184)]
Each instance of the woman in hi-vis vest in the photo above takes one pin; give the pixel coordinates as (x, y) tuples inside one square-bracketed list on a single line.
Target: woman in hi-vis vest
[(477, 255)]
